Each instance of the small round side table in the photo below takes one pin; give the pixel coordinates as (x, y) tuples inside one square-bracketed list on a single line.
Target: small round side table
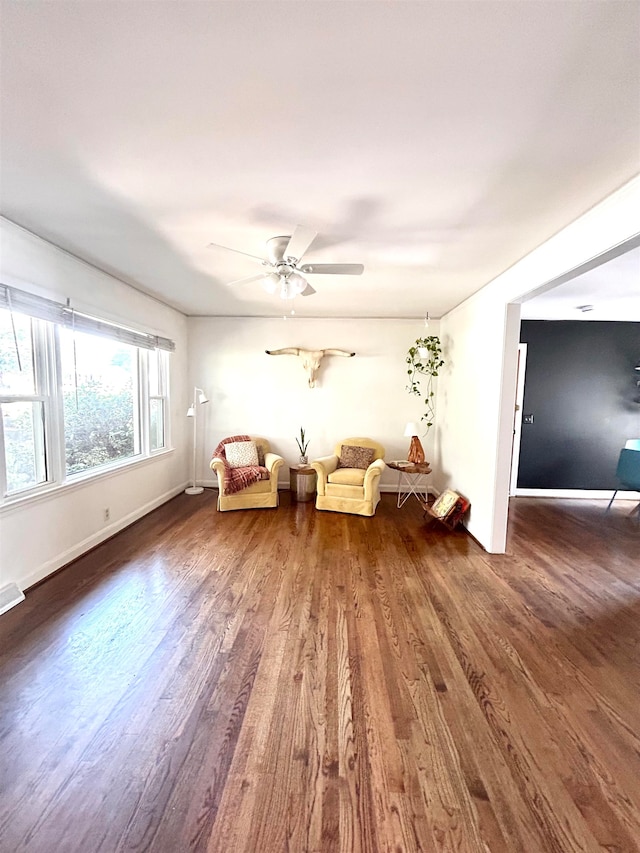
[(413, 477), (302, 482)]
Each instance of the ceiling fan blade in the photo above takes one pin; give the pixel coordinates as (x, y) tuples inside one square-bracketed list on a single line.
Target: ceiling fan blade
[(300, 241), (333, 269), (308, 291), (248, 279), (237, 251)]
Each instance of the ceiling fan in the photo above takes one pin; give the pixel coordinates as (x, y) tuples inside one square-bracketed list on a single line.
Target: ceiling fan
[(283, 267)]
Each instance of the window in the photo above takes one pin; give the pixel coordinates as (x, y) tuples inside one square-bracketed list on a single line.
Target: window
[(77, 394), (100, 400), (22, 426), (158, 390)]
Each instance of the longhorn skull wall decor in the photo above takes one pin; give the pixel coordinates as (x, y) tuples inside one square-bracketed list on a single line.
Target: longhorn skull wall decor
[(310, 358)]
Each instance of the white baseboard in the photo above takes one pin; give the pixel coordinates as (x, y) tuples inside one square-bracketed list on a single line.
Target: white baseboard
[(386, 488), (90, 542), (587, 494), (283, 486), (10, 595)]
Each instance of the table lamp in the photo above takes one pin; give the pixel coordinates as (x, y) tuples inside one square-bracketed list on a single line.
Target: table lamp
[(416, 451)]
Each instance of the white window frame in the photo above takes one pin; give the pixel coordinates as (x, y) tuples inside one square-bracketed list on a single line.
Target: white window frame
[(48, 385), (163, 396), (40, 345)]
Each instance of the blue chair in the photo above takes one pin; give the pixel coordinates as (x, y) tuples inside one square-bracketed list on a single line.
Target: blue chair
[(628, 474)]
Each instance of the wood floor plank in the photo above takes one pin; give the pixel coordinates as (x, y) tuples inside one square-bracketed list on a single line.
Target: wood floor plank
[(294, 681)]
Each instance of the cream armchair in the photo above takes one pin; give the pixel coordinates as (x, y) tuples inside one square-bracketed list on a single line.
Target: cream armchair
[(353, 490), (258, 495)]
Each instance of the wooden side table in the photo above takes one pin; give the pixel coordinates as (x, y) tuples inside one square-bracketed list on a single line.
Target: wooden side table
[(413, 477), (302, 482)]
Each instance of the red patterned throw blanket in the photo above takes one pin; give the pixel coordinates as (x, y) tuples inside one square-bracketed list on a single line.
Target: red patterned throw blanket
[(237, 479)]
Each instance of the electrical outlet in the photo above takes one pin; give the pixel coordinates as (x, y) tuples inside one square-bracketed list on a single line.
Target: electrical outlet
[(107, 513), (527, 419)]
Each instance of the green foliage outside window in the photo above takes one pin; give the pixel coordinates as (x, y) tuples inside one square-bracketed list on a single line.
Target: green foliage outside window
[(23, 429), (99, 427)]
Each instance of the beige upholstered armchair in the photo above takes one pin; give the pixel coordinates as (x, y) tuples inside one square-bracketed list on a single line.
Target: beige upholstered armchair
[(350, 489), (256, 495)]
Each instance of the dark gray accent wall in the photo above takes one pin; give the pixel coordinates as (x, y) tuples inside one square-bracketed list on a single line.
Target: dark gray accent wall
[(580, 387)]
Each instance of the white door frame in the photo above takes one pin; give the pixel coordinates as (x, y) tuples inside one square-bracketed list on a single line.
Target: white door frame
[(517, 419)]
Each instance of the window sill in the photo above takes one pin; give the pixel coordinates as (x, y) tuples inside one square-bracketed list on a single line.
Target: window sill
[(79, 481)]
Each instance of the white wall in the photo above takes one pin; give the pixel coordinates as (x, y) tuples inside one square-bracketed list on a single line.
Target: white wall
[(252, 392), (476, 395), (42, 534)]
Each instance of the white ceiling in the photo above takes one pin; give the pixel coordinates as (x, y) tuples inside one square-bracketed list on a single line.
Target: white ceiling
[(434, 142), (608, 292)]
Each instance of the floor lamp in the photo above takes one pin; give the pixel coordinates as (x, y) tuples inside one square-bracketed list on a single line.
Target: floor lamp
[(199, 397)]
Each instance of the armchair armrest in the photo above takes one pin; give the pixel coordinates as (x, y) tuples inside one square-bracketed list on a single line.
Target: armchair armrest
[(272, 461), (323, 467), (217, 465), (372, 475)]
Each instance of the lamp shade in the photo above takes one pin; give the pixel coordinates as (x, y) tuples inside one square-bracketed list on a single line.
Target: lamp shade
[(411, 429), (271, 282), (191, 412), (297, 282)]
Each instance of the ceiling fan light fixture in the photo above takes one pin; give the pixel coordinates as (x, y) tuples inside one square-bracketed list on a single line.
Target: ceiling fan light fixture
[(297, 282), (271, 282), (283, 265), (287, 291)]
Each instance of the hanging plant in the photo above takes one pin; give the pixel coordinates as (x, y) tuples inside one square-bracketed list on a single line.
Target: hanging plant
[(425, 359)]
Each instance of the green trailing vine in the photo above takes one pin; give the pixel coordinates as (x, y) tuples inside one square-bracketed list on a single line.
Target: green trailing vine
[(424, 359)]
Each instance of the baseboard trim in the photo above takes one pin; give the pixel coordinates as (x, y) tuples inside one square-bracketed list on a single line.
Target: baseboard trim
[(283, 486), (10, 595), (80, 548), (586, 494), (389, 489)]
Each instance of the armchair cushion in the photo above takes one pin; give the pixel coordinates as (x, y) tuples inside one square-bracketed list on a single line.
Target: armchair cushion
[(353, 456), (241, 454), (347, 477)]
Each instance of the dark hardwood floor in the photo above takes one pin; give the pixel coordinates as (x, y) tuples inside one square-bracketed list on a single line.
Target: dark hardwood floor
[(292, 680)]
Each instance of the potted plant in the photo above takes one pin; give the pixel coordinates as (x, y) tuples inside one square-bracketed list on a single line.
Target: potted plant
[(424, 359), (303, 443)]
